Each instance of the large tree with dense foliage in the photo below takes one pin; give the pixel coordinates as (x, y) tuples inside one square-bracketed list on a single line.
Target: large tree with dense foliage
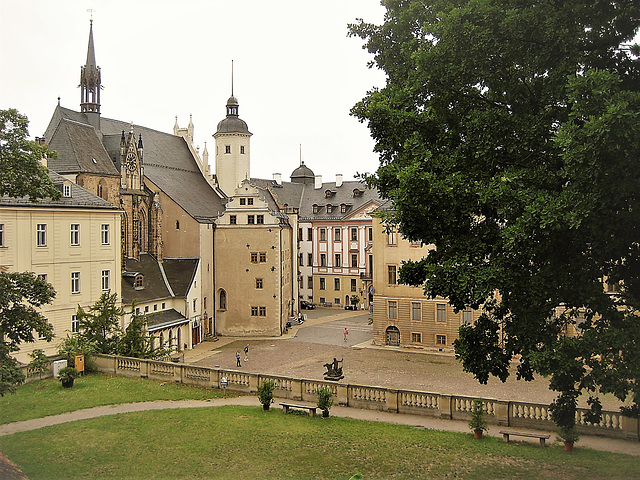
[(100, 324), (509, 138)]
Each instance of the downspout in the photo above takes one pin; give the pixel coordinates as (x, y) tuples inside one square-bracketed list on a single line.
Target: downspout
[(281, 272)]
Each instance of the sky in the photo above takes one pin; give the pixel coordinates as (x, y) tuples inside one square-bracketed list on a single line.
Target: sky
[(296, 74)]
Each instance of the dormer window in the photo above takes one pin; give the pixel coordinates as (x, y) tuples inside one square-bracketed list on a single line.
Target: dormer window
[(315, 208), (139, 282), (328, 194), (66, 190), (343, 208), (357, 193), (329, 208)]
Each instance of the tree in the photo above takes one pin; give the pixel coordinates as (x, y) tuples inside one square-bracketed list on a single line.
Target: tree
[(39, 362), (509, 138), (100, 325), (21, 173), (136, 342), (10, 374)]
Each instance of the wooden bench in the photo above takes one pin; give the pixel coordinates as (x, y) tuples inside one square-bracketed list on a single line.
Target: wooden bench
[(505, 436), (287, 406)]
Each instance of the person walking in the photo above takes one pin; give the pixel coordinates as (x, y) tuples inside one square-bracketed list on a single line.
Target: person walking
[(238, 359), (246, 352), (345, 333)]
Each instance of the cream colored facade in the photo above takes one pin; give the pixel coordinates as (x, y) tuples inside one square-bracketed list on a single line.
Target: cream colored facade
[(402, 315), (77, 249), (256, 288)]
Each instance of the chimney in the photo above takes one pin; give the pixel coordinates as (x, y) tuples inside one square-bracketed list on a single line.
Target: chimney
[(318, 183), (338, 180), (277, 177)]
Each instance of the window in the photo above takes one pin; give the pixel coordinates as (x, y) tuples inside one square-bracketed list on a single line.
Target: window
[(263, 311), (354, 284), (249, 201), (75, 325), (329, 208), (301, 259), (393, 309), (441, 312), (336, 301), (194, 304), (43, 276), (354, 260), (416, 338), (104, 234), (323, 259), (441, 339), (254, 257), (354, 234), (322, 283), (75, 234), (309, 259), (263, 257), (223, 300), (370, 234), (416, 311), (41, 234), (258, 283), (75, 282), (241, 149), (105, 280), (139, 284), (315, 208), (155, 307), (336, 283), (177, 224), (146, 309), (338, 260), (259, 311), (243, 201), (323, 234), (392, 274), (164, 305), (251, 219), (309, 234), (343, 208), (337, 234), (227, 149), (233, 220), (392, 236), (467, 316), (299, 234), (309, 282), (1, 234), (260, 219), (204, 303), (66, 191)]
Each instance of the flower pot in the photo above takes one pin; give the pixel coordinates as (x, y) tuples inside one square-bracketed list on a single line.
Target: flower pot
[(68, 383), (265, 406), (325, 413), (568, 446), (477, 433)]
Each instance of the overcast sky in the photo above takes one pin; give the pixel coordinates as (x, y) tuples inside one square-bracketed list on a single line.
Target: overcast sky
[(296, 74)]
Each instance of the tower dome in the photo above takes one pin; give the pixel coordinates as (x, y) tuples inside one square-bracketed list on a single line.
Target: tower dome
[(303, 174), (232, 123)]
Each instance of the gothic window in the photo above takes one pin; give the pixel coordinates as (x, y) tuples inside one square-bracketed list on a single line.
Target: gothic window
[(223, 300)]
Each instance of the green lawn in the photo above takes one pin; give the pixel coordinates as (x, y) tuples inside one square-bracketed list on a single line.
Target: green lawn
[(47, 397), (245, 442)]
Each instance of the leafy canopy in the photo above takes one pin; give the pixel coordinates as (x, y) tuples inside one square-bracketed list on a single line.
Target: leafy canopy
[(509, 137)]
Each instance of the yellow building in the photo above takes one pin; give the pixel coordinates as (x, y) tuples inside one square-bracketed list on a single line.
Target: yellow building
[(74, 243), (402, 315)]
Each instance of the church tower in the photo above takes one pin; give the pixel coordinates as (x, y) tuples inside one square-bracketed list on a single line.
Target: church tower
[(90, 85), (232, 149)]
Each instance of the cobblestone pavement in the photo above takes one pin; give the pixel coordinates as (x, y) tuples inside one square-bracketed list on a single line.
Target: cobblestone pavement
[(305, 349)]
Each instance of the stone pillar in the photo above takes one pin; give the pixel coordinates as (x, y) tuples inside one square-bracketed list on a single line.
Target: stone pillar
[(296, 389), (254, 381), (502, 413), (444, 401), (630, 427), (392, 400), (144, 368)]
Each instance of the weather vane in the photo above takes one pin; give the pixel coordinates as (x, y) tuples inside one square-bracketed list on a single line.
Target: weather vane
[(90, 10)]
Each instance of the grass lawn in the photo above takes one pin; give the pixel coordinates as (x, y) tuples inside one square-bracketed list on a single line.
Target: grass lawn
[(248, 443), (47, 397)]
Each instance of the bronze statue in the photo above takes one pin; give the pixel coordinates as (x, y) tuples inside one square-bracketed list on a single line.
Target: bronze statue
[(334, 370)]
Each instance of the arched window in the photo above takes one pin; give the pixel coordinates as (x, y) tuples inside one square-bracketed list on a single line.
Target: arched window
[(223, 300)]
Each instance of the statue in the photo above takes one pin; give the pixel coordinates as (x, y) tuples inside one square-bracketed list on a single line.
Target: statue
[(334, 370)]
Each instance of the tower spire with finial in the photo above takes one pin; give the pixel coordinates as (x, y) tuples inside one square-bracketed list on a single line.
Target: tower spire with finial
[(90, 83)]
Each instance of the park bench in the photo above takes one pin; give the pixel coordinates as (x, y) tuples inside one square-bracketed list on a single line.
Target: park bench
[(287, 406), (505, 436)]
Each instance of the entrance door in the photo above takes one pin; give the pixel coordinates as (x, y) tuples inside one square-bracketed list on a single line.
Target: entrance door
[(393, 336)]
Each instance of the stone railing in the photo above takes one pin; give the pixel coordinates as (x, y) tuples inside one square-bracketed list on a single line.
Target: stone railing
[(454, 407)]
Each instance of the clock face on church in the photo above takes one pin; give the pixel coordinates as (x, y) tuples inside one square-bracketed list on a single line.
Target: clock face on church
[(131, 162)]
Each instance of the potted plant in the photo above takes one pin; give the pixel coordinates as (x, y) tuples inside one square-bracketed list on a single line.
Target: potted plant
[(265, 393), (67, 375), (477, 423), (355, 300), (325, 400), (569, 436)]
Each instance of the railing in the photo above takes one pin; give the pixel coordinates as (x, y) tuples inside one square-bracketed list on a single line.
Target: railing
[(457, 407)]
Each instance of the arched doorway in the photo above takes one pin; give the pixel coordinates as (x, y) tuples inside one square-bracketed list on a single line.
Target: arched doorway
[(393, 336)]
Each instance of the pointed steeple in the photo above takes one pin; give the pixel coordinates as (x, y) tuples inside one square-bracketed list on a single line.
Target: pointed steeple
[(90, 84)]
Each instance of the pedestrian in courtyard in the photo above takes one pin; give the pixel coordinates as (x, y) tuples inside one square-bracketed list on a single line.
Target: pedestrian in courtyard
[(345, 333), (246, 352), (238, 359)]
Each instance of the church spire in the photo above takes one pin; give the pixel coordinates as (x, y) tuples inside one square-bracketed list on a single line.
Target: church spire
[(90, 84)]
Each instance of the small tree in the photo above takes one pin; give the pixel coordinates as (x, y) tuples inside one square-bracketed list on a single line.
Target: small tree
[(325, 400), (355, 300), (100, 326), (39, 362), (265, 393), (10, 374), (136, 341), (72, 346), (477, 422)]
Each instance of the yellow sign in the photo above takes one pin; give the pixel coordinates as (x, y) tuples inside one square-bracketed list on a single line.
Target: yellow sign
[(80, 363)]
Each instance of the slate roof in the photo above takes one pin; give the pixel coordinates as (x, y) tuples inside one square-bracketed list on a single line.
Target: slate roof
[(80, 198), (167, 160), (155, 287), (180, 273), (165, 318)]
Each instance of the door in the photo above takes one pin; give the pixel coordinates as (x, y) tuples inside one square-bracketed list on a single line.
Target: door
[(393, 336)]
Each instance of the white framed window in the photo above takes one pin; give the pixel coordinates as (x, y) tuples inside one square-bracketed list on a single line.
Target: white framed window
[(354, 285), (354, 234), (75, 234), (104, 234), (338, 260), (323, 234), (75, 325), (392, 309), (337, 234), (66, 191), (441, 339), (322, 283), (467, 316), (416, 337), (41, 235), (336, 284), (392, 274), (75, 282), (105, 280)]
